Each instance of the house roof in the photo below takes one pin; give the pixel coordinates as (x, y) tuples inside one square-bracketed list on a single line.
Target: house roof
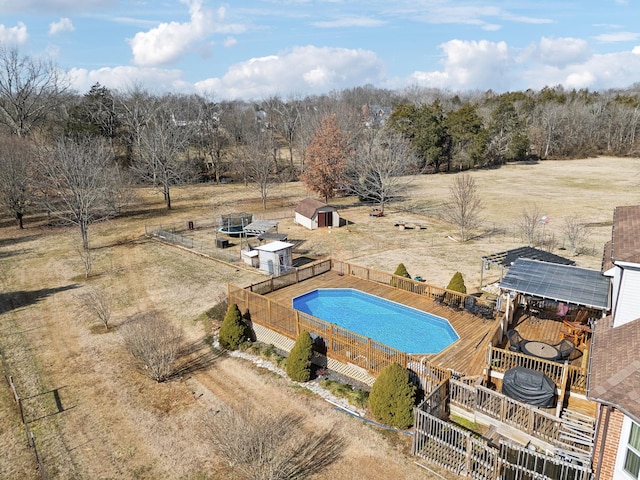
[(508, 257), (614, 372), (563, 283), (309, 206), (274, 246), (625, 237)]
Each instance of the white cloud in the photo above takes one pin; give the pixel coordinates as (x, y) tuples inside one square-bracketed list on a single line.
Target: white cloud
[(350, 21), (14, 35), (167, 42), (470, 65), (62, 25), (617, 37), (230, 42), (558, 52), (123, 78), (309, 70)]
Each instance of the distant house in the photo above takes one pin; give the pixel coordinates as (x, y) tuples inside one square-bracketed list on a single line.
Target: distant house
[(314, 214), (375, 115), (614, 371), (275, 257)]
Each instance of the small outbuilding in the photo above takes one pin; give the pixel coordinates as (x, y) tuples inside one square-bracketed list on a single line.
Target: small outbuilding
[(313, 214), (275, 257)]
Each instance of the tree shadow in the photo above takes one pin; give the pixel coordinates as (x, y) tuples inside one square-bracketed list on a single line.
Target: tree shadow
[(13, 300), (4, 242), (194, 357)]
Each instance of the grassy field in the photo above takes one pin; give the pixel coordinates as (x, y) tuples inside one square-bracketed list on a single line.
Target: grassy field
[(94, 415)]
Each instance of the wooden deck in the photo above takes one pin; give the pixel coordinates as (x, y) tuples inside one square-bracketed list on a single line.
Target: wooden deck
[(466, 356), (549, 331)]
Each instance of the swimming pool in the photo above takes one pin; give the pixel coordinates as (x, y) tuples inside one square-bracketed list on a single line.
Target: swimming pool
[(398, 326)]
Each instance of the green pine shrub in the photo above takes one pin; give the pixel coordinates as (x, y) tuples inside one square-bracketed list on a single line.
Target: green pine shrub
[(233, 331), (401, 271), (393, 397), (457, 283), (298, 364)]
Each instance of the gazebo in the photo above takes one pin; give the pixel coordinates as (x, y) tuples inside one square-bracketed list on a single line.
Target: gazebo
[(504, 260)]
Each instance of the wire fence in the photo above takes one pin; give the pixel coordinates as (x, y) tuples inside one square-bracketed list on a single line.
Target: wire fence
[(31, 440)]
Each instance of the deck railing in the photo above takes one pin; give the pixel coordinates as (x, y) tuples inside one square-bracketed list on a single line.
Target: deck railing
[(562, 374), (339, 343)]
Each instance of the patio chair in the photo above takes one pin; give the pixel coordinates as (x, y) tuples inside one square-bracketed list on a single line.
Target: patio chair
[(566, 348), (515, 340)]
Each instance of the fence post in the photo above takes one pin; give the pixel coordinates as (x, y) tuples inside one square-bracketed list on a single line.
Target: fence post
[(563, 387), (468, 454)]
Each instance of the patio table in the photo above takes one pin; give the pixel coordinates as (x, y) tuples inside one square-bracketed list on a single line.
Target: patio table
[(541, 350)]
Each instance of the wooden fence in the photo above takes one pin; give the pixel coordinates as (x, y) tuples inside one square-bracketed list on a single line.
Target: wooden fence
[(464, 453), (564, 375)]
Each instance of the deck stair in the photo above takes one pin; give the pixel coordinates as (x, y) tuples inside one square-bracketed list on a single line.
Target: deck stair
[(576, 437)]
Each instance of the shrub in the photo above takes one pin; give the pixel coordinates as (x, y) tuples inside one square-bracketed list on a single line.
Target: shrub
[(401, 271), (233, 331), (298, 365), (393, 397), (457, 283)]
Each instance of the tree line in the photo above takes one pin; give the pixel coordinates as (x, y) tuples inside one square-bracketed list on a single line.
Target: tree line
[(74, 156)]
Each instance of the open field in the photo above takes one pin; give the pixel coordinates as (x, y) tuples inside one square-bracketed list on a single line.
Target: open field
[(95, 416)]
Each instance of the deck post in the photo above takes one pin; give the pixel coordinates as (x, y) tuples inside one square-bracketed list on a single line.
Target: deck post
[(563, 387)]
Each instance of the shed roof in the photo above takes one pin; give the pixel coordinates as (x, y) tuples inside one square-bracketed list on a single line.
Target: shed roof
[(563, 283), (309, 206), (274, 246), (615, 379), (508, 257)]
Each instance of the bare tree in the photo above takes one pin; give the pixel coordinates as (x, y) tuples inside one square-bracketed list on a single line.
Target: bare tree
[(30, 91), (379, 169), (575, 232), (271, 446), (258, 163), (97, 302), (154, 342), (74, 181), (465, 205), (529, 224), (164, 143), (16, 158)]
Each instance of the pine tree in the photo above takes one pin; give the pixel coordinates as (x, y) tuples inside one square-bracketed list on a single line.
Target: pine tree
[(233, 331), (393, 397), (401, 271), (298, 365), (457, 283)]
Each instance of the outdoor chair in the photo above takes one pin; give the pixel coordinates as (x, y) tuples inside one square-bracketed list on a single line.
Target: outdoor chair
[(515, 340), (566, 348)]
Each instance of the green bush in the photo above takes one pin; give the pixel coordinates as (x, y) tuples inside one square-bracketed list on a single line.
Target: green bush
[(457, 283), (233, 331), (393, 397), (401, 271), (298, 365)]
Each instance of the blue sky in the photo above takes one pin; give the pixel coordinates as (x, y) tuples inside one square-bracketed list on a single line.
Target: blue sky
[(252, 49)]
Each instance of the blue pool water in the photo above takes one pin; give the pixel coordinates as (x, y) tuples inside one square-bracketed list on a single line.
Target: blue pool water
[(398, 326)]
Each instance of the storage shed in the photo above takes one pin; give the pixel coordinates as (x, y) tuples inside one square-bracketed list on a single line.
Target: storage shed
[(315, 214), (275, 257)]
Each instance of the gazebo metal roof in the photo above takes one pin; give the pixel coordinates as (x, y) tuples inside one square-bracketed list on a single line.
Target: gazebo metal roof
[(508, 257), (562, 283)]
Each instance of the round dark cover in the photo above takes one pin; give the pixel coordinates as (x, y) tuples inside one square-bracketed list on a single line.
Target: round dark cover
[(529, 386)]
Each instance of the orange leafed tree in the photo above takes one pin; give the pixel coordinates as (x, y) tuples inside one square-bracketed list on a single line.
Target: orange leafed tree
[(325, 159)]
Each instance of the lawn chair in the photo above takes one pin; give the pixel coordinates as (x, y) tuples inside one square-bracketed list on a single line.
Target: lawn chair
[(515, 340), (566, 348)]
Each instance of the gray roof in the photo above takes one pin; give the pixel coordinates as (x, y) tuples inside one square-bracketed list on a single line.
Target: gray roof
[(258, 227), (508, 257), (563, 283)]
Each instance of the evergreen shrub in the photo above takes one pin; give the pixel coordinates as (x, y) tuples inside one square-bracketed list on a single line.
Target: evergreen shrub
[(393, 397), (298, 364)]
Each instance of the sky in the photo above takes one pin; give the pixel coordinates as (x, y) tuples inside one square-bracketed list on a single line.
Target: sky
[(254, 49)]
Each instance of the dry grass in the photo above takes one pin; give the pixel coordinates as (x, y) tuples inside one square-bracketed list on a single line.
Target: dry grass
[(114, 422)]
